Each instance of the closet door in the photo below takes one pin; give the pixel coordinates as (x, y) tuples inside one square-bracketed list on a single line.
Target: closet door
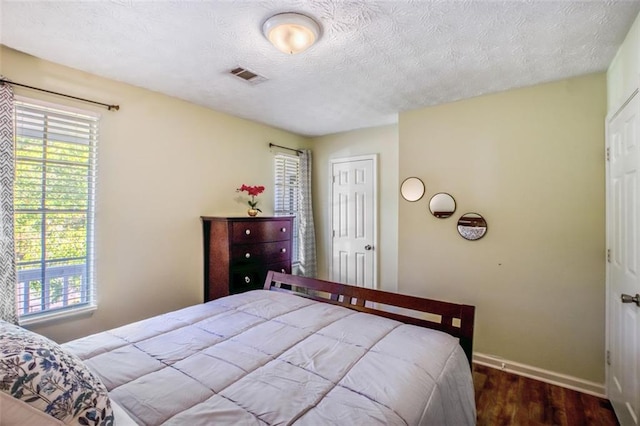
[(353, 221), (623, 235)]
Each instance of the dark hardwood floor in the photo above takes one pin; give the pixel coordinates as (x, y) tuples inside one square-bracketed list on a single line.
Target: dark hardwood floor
[(507, 399)]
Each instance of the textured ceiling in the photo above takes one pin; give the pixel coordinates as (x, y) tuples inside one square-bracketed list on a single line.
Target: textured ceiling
[(373, 60)]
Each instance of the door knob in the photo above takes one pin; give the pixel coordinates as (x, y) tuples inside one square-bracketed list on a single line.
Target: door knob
[(625, 298), (368, 247)]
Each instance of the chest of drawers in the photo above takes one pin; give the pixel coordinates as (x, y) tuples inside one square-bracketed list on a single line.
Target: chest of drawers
[(238, 252)]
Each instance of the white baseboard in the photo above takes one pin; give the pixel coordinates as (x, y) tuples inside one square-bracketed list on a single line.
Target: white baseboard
[(551, 377)]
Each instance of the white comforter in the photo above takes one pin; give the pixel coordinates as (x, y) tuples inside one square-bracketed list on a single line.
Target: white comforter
[(265, 357)]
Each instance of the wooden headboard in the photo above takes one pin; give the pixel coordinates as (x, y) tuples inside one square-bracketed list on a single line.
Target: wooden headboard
[(452, 318)]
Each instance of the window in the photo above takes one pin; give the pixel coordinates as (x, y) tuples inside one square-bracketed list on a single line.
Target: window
[(53, 208), (287, 178)]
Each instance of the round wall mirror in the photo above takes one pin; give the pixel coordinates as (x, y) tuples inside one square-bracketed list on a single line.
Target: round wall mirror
[(472, 226), (442, 205), (412, 189)]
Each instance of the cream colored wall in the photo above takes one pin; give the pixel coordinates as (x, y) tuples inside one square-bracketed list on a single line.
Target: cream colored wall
[(624, 70), (531, 161), (382, 141), (162, 164)]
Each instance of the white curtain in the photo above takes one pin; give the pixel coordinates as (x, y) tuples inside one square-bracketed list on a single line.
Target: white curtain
[(7, 246), (306, 230)]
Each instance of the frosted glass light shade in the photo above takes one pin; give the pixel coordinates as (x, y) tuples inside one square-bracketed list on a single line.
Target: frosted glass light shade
[(291, 32)]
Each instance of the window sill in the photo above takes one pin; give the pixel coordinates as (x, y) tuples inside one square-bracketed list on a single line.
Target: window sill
[(55, 316)]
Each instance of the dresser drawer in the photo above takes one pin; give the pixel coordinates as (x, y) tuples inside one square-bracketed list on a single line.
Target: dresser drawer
[(247, 278), (251, 277), (284, 267), (261, 253), (259, 231)]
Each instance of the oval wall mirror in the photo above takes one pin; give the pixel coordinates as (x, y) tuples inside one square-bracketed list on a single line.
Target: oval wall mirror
[(472, 226), (412, 189), (442, 205)]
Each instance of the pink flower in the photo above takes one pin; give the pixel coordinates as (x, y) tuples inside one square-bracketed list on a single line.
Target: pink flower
[(253, 191)]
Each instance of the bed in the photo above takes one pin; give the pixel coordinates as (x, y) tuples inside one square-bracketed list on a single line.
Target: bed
[(301, 351)]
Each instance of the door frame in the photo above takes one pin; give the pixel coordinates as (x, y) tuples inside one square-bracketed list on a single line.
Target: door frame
[(607, 263), (332, 162)]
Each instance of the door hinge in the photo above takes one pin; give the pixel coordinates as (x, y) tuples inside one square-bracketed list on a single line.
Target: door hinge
[(608, 357), (608, 153), (333, 233), (608, 255)]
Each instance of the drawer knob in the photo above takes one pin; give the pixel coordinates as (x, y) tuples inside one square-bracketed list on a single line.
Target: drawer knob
[(248, 255), (283, 229), (247, 280), (284, 250), (248, 231)]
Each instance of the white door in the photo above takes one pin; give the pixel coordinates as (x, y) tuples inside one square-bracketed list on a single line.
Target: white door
[(353, 221), (623, 210)]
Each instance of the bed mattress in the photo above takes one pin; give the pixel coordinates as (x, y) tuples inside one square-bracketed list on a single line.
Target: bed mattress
[(265, 357)]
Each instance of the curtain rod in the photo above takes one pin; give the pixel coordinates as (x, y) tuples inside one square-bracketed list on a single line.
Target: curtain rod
[(284, 147), (109, 107)]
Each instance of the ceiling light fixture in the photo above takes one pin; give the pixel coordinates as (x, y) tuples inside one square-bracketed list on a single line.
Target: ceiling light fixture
[(291, 32)]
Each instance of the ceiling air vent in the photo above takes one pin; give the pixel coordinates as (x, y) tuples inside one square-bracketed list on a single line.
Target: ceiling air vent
[(247, 75)]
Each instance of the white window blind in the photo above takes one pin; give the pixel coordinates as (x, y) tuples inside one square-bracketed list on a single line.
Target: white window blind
[(287, 179), (54, 208)]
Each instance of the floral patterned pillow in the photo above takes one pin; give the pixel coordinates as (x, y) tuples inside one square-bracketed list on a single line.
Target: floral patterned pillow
[(40, 373)]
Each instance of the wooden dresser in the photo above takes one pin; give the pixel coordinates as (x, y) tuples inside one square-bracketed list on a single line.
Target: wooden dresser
[(239, 251)]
